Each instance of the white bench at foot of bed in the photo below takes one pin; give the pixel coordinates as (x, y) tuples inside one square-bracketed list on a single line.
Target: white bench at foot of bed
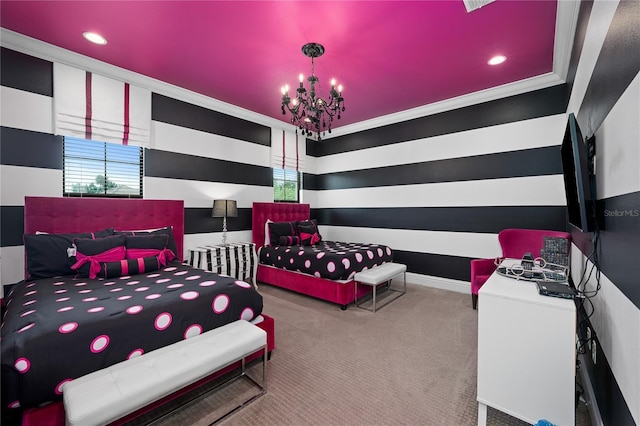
[(106, 395), (378, 275)]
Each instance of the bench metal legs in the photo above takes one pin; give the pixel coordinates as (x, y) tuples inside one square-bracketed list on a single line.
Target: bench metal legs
[(374, 306)]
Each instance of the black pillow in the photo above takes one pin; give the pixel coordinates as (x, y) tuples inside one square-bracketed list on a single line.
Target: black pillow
[(155, 241), (48, 255), (282, 229), (129, 267), (289, 241), (168, 231), (308, 231), (88, 247)]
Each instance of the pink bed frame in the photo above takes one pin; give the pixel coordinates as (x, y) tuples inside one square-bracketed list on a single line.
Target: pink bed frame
[(341, 292), (69, 214)]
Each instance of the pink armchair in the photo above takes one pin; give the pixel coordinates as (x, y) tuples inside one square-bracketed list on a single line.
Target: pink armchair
[(514, 243)]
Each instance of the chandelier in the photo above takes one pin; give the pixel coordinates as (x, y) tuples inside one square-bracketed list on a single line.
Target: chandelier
[(309, 111)]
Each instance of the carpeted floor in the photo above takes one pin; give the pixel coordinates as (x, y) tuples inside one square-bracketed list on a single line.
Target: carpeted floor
[(411, 363)]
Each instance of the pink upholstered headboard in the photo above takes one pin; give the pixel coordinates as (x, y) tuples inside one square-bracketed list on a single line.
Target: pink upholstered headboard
[(277, 212), (61, 215)]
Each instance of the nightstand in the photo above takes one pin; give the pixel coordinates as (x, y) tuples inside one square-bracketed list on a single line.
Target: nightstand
[(237, 260)]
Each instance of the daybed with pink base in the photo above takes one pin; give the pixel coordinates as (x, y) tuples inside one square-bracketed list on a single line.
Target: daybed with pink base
[(331, 290), (58, 327)]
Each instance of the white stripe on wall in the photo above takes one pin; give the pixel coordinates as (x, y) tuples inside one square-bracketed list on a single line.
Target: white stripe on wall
[(11, 265), (617, 158), (616, 321), (201, 194), (523, 191), (17, 181), (168, 137), (25, 110), (534, 133), (464, 244)]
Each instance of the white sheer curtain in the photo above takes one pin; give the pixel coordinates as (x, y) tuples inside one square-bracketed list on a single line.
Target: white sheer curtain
[(91, 106)]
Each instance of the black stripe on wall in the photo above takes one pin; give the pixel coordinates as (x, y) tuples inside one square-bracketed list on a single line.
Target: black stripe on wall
[(438, 265), (489, 219), (24, 72), (11, 226), (618, 64), (179, 113), (174, 165), (528, 162), (30, 149), (199, 221), (578, 41), (540, 103), (619, 223)]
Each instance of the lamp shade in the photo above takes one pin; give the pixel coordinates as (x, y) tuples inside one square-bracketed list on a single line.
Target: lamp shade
[(224, 208)]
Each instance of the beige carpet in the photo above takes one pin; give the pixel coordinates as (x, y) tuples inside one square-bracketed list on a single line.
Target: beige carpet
[(413, 362)]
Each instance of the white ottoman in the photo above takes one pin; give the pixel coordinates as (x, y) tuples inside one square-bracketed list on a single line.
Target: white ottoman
[(378, 275)]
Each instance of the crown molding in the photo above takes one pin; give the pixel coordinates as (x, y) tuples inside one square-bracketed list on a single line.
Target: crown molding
[(39, 49), (566, 21)]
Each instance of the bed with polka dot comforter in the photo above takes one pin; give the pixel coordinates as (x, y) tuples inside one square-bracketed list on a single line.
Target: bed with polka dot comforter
[(332, 260), (58, 329)]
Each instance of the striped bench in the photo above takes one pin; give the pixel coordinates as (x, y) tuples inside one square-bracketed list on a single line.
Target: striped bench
[(109, 394)]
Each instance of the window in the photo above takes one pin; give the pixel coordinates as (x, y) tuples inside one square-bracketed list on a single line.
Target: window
[(101, 169), (286, 185)]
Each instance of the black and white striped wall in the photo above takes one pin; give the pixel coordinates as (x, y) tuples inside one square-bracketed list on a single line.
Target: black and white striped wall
[(197, 155), (605, 97), (438, 189)]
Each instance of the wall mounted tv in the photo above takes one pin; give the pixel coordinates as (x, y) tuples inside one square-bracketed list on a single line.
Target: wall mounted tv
[(580, 200)]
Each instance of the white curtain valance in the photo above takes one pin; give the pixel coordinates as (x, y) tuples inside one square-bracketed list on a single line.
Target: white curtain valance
[(91, 106), (288, 150)]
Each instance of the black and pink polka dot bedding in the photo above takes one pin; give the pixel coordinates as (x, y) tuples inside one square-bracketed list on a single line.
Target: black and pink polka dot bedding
[(332, 260), (57, 329)]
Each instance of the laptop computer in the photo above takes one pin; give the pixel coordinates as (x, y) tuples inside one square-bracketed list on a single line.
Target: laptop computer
[(556, 289)]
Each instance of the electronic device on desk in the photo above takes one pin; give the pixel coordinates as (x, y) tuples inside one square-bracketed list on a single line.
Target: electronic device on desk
[(556, 289), (538, 269)]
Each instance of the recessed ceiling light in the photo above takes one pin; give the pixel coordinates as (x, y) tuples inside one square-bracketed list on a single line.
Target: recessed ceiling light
[(497, 60), (94, 38)]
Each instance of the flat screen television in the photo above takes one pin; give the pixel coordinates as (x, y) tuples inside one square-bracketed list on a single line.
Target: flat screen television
[(580, 200)]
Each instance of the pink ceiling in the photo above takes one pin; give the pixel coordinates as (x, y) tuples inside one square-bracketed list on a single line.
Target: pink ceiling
[(390, 56)]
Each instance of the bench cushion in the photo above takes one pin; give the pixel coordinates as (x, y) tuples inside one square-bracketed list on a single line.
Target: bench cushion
[(380, 274), (108, 394)]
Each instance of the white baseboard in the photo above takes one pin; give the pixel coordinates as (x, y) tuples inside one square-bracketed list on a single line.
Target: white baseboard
[(439, 282)]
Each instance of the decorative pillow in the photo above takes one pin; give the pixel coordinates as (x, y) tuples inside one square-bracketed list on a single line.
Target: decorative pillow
[(129, 267), (90, 253), (282, 229), (149, 245), (267, 238), (168, 231), (289, 241), (51, 255), (308, 231)]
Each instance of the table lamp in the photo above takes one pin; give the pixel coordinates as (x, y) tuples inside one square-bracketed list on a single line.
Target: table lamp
[(224, 209)]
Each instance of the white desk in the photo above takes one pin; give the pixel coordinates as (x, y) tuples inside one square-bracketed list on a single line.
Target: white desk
[(526, 352)]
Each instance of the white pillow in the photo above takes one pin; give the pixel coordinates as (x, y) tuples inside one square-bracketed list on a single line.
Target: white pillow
[(267, 238)]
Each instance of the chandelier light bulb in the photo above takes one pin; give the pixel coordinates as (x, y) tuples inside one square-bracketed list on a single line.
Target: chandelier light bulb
[(301, 77), (294, 101), (333, 82), (283, 90), (340, 88)]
